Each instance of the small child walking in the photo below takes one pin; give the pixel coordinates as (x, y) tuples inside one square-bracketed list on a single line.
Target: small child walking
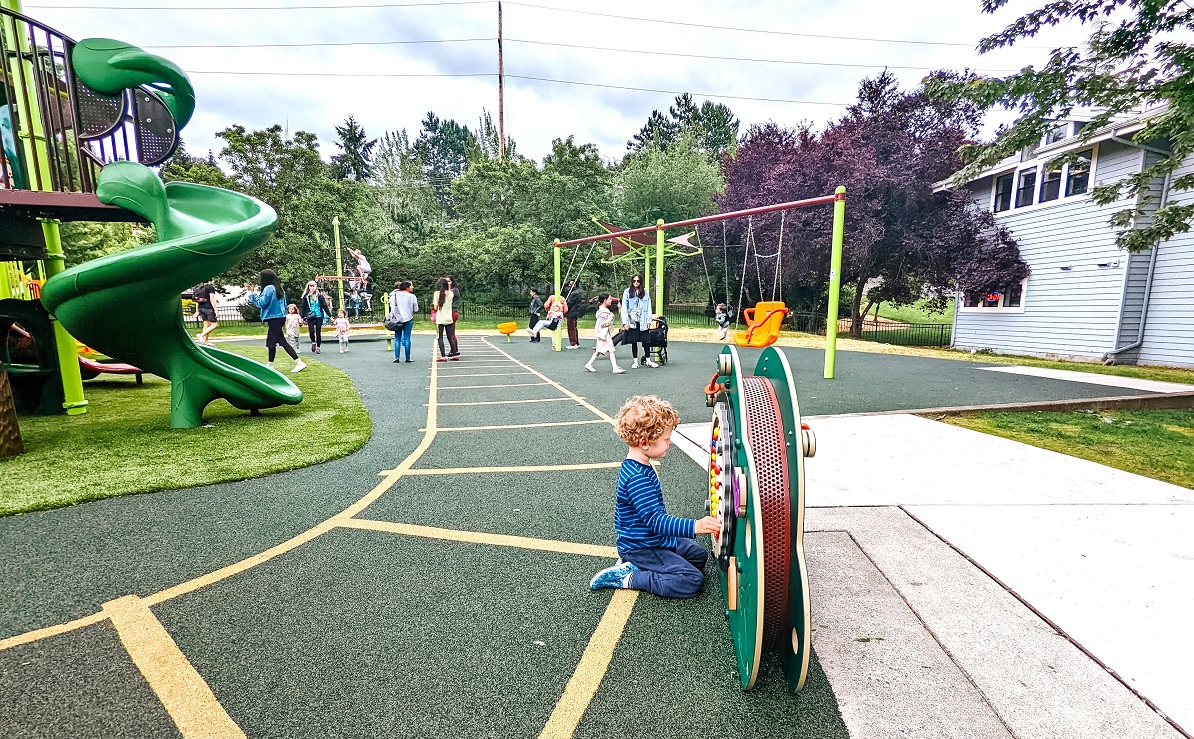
[(657, 551), (605, 341), (722, 316), (342, 326), (293, 323)]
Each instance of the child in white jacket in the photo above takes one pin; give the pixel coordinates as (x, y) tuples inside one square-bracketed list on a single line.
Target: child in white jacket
[(605, 341)]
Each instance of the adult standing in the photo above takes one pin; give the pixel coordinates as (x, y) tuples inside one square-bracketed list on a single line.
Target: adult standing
[(205, 308), (442, 304), (534, 309), (457, 305), (574, 312), (315, 309), (404, 306), (271, 301), (635, 311)]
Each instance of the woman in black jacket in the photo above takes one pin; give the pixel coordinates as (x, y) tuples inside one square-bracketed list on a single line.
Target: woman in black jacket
[(315, 308)]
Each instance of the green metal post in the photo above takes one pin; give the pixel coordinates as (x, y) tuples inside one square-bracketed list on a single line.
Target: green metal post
[(557, 340), (659, 234), (68, 358), (835, 279), (339, 264)]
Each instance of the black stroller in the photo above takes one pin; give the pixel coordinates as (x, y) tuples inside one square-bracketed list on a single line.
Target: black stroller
[(654, 340)]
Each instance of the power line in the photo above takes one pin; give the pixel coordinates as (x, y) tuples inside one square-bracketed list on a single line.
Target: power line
[(731, 58), (259, 7), (315, 43), (751, 30), (517, 77), (440, 3), (558, 44)]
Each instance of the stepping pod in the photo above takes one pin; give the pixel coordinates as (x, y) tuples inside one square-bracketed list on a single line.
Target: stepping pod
[(756, 471)]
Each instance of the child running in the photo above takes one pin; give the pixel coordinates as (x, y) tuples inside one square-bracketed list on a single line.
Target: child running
[(293, 323), (342, 326), (605, 342), (722, 317), (657, 552)]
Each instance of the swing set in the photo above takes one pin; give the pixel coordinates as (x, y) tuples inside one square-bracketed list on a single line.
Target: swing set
[(764, 319)]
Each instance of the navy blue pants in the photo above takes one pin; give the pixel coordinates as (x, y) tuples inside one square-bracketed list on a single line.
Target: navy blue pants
[(669, 573)]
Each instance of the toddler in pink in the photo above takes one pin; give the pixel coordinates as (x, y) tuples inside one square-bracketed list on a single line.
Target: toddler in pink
[(342, 326)]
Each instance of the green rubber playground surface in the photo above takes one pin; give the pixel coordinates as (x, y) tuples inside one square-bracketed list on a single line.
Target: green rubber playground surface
[(385, 622)]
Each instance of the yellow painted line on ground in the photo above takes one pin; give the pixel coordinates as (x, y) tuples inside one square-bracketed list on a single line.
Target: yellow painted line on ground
[(520, 425), (600, 413), (466, 365), (174, 680), (481, 387), (493, 374), (527, 468), (480, 537), (509, 402), (39, 634), (590, 671), (389, 478)]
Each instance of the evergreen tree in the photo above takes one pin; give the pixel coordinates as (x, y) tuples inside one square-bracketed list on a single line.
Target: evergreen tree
[(357, 156)]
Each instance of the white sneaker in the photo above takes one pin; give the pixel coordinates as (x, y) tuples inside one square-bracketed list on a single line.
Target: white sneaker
[(650, 363), (299, 366), (590, 368), (341, 351), (269, 364), (619, 371), (634, 364)]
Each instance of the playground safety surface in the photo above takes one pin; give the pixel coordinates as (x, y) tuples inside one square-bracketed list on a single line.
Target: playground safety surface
[(436, 582)]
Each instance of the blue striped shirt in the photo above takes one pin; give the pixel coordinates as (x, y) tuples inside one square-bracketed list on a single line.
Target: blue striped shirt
[(640, 518)]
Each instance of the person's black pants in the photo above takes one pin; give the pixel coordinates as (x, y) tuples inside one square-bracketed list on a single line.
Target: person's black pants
[(315, 329), (275, 338), (573, 333), (634, 338), (449, 330), (531, 325)]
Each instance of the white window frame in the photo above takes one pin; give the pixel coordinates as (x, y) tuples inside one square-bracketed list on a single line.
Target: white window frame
[(1036, 195), (963, 308)]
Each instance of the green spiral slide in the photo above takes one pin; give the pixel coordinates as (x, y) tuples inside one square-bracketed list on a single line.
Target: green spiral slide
[(128, 305)]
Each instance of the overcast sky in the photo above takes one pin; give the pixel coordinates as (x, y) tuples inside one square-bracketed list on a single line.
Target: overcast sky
[(945, 33)]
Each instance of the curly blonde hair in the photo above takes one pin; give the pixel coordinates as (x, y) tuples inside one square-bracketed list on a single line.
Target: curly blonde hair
[(645, 418)]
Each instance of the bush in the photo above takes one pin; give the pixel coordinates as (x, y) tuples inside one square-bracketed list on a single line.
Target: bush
[(250, 312)]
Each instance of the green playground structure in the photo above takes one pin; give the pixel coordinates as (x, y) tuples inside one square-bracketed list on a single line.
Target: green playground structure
[(80, 123)]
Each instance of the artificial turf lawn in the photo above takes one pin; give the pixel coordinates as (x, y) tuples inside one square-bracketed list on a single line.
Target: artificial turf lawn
[(1153, 443), (124, 443)]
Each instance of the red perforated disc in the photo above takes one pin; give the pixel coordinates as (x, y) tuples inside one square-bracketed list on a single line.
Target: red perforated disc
[(764, 428)]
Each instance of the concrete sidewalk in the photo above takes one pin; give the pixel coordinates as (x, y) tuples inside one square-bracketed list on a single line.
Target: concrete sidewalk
[(941, 559)]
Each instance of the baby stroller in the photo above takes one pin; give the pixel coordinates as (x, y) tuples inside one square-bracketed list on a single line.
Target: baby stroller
[(654, 339)]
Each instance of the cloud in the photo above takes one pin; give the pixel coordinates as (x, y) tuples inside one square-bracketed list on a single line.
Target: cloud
[(539, 111)]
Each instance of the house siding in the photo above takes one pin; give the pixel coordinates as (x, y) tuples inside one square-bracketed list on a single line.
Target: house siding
[(1169, 327), (1073, 312), (1136, 279)]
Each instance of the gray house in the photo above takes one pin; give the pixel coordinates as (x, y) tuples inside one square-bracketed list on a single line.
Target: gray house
[(1085, 298)]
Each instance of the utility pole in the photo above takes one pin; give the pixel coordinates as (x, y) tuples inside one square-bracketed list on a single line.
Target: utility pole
[(501, 94)]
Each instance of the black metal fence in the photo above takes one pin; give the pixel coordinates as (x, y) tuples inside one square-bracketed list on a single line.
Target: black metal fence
[(692, 316), (879, 330)]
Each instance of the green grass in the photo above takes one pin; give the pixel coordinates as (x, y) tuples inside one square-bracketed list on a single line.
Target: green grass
[(124, 443), (1153, 443), (915, 313)]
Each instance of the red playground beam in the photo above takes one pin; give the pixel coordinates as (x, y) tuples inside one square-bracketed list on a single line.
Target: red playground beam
[(824, 200)]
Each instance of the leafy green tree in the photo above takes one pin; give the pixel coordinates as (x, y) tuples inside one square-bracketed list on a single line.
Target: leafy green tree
[(673, 184), (403, 193), (443, 148), (183, 167), (574, 187), (1141, 57), (83, 241), (487, 140), (709, 127), (357, 148)]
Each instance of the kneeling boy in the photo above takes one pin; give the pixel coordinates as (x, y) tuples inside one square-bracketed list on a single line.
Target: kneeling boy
[(657, 552)]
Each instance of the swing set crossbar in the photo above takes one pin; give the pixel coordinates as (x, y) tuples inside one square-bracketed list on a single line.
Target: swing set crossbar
[(823, 200)]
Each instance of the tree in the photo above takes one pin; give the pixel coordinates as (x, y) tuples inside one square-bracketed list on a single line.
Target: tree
[(888, 150), (443, 149), (357, 148), (673, 184), (403, 193), (487, 140), (183, 167), (710, 128), (1140, 61)]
